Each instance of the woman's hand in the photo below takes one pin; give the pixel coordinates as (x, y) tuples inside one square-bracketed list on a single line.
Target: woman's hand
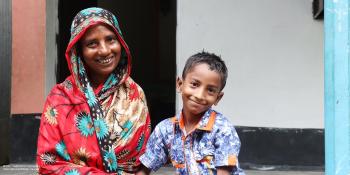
[(143, 170), (224, 170)]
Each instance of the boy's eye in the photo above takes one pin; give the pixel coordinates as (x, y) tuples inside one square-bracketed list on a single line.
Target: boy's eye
[(194, 84), (212, 90)]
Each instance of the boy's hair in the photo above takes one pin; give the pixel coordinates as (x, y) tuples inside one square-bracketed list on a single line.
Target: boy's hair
[(214, 62)]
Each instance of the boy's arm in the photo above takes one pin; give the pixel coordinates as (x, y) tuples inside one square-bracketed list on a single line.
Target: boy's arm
[(156, 154), (227, 146)]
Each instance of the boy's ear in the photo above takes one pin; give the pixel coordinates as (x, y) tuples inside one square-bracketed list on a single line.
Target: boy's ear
[(221, 94), (178, 84)]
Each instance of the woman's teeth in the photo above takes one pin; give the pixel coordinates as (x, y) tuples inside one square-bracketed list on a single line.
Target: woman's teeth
[(104, 60)]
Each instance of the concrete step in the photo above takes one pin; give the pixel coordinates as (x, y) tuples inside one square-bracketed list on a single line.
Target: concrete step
[(30, 169)]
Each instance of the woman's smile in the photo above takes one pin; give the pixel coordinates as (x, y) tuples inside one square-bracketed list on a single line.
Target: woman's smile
[(105, 61)]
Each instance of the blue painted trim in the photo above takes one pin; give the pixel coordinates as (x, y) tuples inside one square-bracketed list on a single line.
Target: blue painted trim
[(337, 88)]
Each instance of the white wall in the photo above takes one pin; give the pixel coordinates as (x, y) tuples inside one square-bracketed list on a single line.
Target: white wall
[(273, 50)]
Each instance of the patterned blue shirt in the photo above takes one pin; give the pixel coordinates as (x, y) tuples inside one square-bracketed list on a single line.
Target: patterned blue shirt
[(213, 143)]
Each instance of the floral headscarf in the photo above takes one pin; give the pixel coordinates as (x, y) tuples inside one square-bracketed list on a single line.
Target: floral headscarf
[(81, 22)]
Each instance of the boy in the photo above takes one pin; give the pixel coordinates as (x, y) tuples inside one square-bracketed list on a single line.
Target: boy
[(199, 140)]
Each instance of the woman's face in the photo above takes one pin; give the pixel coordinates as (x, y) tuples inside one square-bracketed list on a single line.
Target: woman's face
[(101, 52)]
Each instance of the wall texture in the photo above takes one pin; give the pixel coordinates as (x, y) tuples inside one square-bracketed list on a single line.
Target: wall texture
[(28, 56), (274, 53)]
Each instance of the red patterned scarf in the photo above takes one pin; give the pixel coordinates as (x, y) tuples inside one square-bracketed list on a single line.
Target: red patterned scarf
[(105, 130)]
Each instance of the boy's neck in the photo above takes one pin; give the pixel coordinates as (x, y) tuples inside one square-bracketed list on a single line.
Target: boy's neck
[(191, 121)]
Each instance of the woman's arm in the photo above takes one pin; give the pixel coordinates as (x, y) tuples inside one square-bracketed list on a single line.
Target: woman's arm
[(52, 155)]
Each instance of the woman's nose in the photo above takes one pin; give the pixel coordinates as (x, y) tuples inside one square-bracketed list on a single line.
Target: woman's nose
[(103, 49)]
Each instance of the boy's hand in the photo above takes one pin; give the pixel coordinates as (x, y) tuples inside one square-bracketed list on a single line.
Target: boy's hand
[(224, 170)]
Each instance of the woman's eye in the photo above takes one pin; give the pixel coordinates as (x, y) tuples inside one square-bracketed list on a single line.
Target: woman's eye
[(91, 44), (112, 39)]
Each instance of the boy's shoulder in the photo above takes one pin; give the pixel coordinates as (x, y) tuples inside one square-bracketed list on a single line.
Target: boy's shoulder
[(167, 121), (166, 124), (222, 121), (170, 121)]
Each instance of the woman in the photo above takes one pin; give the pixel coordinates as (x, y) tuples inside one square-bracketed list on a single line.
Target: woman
[(97, 120)]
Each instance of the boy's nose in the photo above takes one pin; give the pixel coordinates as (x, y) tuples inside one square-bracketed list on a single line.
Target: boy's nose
[(200, 93)]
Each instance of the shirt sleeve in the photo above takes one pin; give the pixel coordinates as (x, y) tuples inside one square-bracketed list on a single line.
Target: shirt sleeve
[(227, 146), (156, 154), (52, 156)]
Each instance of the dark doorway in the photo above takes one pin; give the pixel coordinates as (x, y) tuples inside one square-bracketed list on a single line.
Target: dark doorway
[(5, 78), (149, 28), (66, 12)]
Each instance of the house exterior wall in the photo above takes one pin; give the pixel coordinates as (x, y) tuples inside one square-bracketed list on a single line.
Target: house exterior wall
[(28, 56), (274, 53)]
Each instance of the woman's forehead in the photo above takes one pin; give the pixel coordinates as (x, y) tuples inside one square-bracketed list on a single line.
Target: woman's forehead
[(98, 27)]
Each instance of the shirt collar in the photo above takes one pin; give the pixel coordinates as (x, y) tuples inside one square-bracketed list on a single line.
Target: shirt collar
[(206, 123)]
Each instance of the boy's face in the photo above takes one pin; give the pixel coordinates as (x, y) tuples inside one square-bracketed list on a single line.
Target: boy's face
[(200, 89)]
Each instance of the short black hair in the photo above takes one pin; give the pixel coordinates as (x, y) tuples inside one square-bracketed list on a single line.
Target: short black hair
[(214, 62)]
